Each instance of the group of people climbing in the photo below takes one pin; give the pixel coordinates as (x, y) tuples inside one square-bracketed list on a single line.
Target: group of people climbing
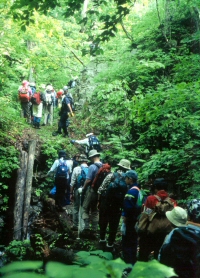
[(103, 200), (38, 102)]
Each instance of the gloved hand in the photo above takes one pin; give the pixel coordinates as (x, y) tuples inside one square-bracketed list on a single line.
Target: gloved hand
[(72, 141), (80, 190), (72, 114)]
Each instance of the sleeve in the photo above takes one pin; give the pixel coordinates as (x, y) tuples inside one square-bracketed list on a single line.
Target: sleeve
[(83, 142), (74, 176), (130, 203), (54, 166)]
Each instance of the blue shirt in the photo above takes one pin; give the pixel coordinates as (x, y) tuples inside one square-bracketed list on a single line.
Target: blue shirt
[(92, 171)]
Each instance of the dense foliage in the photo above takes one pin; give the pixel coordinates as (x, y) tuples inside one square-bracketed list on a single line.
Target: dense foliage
[(145, 104)]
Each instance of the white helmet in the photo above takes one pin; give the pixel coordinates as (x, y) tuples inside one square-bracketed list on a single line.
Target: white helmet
[(32, 84), (49, 88), (65, 88)]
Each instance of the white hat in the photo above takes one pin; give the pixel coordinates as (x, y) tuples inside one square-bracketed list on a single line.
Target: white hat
[(89, 134), (93, 153), (178, 216)]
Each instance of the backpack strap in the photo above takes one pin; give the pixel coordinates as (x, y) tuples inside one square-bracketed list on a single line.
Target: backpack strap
[(135, 187)]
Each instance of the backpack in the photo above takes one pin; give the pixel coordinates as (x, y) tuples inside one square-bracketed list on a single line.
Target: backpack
[(182, 252), (48, 98), (62, 170), (71, 103), (24, 95), (82, 177), (156, 221), (35, 99), (116, 192), (103, 171), (94, 143)]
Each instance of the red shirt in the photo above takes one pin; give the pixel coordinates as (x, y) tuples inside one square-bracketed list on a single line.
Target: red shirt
[(151, 201)]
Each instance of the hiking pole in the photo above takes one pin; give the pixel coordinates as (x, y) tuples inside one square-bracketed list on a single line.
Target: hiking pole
[(79, 216)]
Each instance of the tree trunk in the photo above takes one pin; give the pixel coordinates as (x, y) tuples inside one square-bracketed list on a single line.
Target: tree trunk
[(19, 197), (29, 177)]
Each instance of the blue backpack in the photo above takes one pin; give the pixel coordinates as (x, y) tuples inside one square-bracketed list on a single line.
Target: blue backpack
[(62, 170), (116, 191), (94, 143), (82, 177)]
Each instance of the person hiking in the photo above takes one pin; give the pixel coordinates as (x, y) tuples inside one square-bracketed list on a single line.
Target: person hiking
[(37, 100), (62, 169), (91, 142), (110, 201), (66, 109), (91, 196), (59, 98), (131, 210), (149, 242), (73, 82), (77, 181), (48, 105), (24, 94), (180, 249)]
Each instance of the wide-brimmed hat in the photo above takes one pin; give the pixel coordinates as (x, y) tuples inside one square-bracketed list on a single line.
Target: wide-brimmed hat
[(82, 158), (125, 163), (93, 153), (178, 216), (131, 174)]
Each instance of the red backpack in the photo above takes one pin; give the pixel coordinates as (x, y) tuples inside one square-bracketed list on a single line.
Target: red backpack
[(36, 99), (24, 95), (103, 171)]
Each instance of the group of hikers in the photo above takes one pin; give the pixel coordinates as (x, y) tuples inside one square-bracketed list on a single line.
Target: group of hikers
[(38, 102), (152, 226)]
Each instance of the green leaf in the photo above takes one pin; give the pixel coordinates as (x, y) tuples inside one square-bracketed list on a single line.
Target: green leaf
[(19, 266)]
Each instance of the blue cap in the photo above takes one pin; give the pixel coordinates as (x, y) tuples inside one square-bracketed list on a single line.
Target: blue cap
[(131, 174)]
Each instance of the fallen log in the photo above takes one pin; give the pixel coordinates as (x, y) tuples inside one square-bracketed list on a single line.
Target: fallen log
[(29, 177), (19, 196)]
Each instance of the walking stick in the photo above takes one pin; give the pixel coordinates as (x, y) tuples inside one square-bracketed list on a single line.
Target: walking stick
[(79, 217)]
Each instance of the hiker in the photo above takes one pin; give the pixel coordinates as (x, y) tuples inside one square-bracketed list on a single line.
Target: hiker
[(91, 142), (59, 97), (91, 197), (48, 105), (179, 248), (66, 109), (193, 208), (73, 82), (24, 94), (151, 241), (110, 198), (77, 181), (37, 106), (62, 169), (131, 210)]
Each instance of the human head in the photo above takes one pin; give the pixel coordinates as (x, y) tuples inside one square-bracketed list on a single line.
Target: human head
[(83, 158), (178, 216), (92, 154), (65, 89), (124, 164), (25, 83), (194, 210), (130, 177), (49, 88), (62, 153), (160, 184), (89, 134)]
